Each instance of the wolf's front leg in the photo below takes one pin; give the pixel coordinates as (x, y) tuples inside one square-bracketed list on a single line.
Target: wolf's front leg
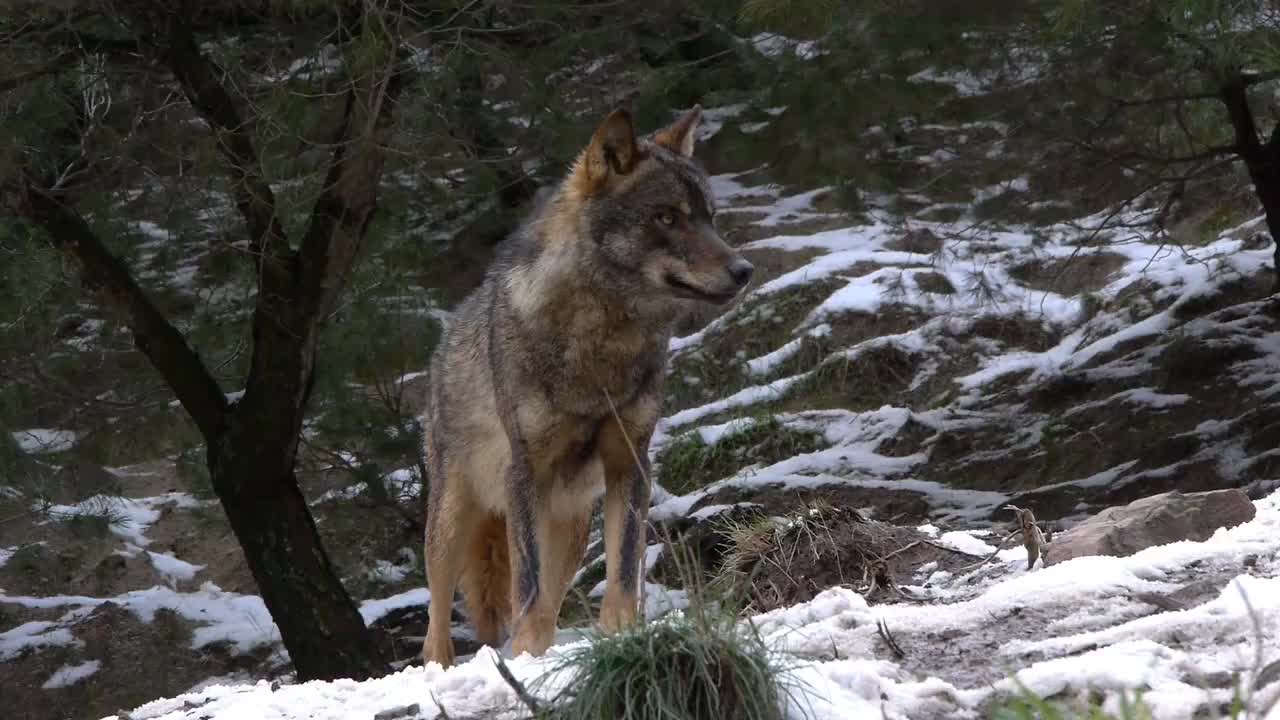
[(626, 505), (624, 449), (530, 633)]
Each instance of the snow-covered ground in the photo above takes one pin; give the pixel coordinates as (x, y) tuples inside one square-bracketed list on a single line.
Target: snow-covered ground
[(1074, 627)]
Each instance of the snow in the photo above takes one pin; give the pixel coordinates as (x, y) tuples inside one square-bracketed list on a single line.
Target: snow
[(69, 675), (966, 542), (373, 610), (747, 396), (396, 570), (128, 518), (173, 568), (242, 621), (34, 635), (45, 440), (964, 82), (324, 63), (773, 45), (465, 690), (712, 434), (713, 119), (1105, 641), (1152, 650)]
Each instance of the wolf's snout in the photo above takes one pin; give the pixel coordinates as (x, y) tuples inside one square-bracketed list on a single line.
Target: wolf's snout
[(740, 270)]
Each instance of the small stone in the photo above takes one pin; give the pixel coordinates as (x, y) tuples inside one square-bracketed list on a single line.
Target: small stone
[(404, 711), (1267, 676)]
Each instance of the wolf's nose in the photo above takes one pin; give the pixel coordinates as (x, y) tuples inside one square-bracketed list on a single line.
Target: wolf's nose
[(740, 270)]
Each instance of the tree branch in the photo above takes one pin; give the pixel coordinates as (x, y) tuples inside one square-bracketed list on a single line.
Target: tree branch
[(346, 204), (1163, 99), (254, 198), (49, 68), (160, 341), (1234, 94)]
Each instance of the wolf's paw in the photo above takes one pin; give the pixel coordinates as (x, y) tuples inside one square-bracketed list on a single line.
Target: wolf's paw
[(618, 612)]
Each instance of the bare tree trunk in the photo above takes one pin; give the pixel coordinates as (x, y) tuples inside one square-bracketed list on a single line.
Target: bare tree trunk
[(251, 457), (252, 444), (1261, 159), (320, 624)]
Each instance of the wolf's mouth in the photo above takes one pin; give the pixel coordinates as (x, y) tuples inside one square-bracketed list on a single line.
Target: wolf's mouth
[(687, 290)]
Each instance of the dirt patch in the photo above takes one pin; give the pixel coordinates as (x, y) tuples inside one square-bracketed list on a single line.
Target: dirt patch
[(717, 368), (1236, 292), (1189, 362), (777, 564), (81, 554), (138, 661), (934, 283), (202, 536), (848, 329), (401, 632), (907, 441), (877, 376), (1061, 390), (1069, 276), (76, 555), (792, 225), (730, 222), (1015, 331), (922, 242)]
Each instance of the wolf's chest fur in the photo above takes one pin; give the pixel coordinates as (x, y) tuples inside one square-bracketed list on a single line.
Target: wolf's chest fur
[(589, 356), (586, 351)]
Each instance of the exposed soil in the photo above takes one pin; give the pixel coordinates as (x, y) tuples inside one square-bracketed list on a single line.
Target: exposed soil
[(137, 661), (1087, 272)]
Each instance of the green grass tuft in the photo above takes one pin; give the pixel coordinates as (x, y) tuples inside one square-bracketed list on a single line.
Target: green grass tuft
[(1027, 705), (702, 665)]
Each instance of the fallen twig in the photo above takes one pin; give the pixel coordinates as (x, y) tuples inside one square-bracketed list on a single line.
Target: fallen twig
[(883, 629), (978, 565), (525, 697), (908, 546)]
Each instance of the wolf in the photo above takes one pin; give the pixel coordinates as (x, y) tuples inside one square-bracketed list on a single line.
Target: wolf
[(546, 386)]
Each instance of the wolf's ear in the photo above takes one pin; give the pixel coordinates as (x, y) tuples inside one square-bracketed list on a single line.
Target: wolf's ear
[(612, 151), (678, 137)]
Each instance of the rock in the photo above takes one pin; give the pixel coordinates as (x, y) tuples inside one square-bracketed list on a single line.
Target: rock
[(1156, 520), (406, 711)]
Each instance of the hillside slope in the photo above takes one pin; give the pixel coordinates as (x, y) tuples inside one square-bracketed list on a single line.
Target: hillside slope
[(931, 358)]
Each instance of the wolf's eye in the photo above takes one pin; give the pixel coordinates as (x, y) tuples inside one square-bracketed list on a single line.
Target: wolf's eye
[(666, 217)]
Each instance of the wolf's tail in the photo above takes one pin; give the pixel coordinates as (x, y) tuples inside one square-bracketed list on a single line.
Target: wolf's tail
[(486, 581)]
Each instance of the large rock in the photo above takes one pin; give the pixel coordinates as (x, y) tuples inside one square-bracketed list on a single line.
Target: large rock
[(1156, 520)]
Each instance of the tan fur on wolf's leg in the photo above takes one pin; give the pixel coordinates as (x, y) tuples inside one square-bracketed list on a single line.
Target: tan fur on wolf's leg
[(486, 581), (626, 508), (620, 604), (449, 530), (571, 535), (561, 543)]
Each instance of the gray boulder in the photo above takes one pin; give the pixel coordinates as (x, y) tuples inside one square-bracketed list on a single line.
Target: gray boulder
[(1156, 520)]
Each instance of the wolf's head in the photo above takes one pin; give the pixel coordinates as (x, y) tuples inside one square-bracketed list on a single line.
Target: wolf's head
[(650, 211)]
